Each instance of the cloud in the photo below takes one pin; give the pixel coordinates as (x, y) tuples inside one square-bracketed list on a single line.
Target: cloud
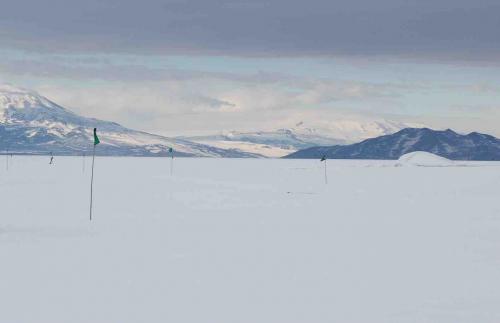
[(324, 91), (99, 69), (204, 95), (443, 29), (129, 81), (177, 102), (125, 68), (474, 110), (207, 104)]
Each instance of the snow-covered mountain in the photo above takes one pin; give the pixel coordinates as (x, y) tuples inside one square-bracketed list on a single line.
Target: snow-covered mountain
[(32, 124), (268, 143), (302, 135)]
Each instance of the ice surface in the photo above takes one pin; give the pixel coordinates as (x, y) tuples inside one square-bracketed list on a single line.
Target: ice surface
[(248, 240)]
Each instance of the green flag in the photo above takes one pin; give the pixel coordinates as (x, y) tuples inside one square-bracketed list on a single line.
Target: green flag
[(96, 142), (323, 158), (96, 139)]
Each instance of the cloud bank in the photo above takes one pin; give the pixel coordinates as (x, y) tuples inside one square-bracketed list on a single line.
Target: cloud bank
[(438, 28)]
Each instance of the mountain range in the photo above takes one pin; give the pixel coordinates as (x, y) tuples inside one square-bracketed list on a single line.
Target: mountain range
[(284, 141), (447, 143), (33, 124)]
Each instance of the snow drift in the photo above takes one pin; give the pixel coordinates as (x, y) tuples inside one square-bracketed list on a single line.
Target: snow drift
[(423, 159)]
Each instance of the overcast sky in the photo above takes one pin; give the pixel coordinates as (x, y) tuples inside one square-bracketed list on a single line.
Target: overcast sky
[(191, 67)]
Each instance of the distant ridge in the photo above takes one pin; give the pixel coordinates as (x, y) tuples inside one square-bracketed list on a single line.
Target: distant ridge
[(304, 134), (446, 143)]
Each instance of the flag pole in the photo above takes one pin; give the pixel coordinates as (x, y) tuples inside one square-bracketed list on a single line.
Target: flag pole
[(326, 178), (323, 159), (172, 165), (96, 142), (83, 163), (171, 151), (92, 183)]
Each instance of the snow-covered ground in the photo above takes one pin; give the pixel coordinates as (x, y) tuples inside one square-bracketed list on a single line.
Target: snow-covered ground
[(248, 240)]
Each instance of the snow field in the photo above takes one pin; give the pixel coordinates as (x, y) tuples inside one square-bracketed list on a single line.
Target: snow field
[(248, 240)]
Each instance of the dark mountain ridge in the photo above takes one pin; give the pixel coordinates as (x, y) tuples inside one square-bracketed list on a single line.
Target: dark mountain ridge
[(445, 143)]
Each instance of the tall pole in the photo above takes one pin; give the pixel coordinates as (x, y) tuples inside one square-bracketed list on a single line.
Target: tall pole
[(172, 165), (83, 162), (92, 183), (326, 178), (171, 151)]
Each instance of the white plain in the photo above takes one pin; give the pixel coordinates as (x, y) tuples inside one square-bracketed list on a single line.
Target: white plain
[(248, 240)]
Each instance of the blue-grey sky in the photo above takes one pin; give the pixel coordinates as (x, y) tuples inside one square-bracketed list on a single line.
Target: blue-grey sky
[(189, 67)]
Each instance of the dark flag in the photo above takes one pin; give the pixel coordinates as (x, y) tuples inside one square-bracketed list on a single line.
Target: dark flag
[(96, 139), (171, 151), (323, 159)]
